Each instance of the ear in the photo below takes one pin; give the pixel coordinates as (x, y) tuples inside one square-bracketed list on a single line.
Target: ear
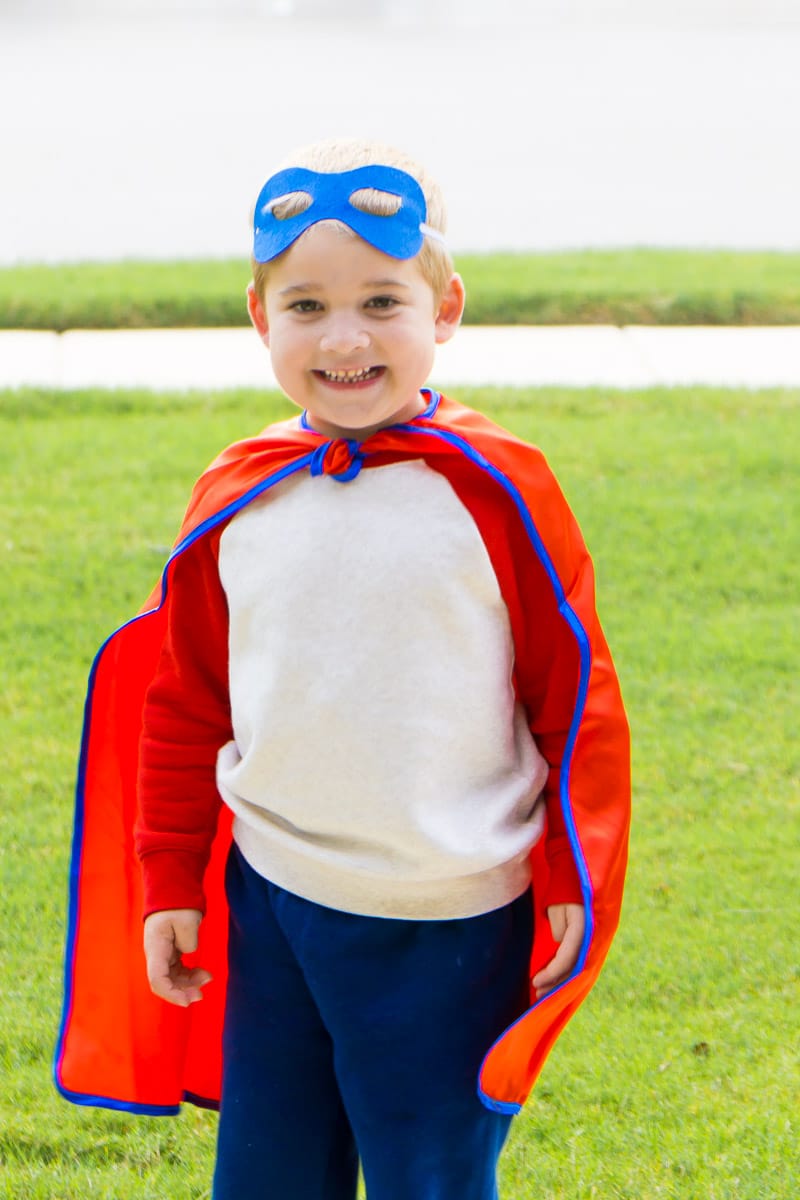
[(258, 314), (451, 309)]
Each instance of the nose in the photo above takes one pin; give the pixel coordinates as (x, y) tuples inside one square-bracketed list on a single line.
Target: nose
[(343, 334)]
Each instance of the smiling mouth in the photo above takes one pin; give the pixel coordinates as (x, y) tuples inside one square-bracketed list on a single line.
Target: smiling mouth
[(362, 375)]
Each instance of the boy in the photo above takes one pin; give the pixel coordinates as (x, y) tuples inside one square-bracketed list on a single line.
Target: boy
[(375, 652)]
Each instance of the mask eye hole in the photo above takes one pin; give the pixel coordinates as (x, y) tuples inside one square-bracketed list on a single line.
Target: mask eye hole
[(290, 205), (376, 203)]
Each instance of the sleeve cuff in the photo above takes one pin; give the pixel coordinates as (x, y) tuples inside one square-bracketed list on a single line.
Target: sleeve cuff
[(172, 879), (563, 884)]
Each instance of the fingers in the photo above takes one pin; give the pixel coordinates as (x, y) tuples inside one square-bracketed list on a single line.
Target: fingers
[(557, 917), (167, 936), (186, 927), (556, 970), (180, 987), (567, 923)]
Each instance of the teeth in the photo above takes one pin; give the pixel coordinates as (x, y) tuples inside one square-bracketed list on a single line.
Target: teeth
[(349, 376)]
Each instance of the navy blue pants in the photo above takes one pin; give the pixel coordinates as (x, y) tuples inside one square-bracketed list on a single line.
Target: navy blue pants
[(351, 1037)]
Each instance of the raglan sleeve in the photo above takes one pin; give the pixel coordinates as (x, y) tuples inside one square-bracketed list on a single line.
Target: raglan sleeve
[(186, 720)]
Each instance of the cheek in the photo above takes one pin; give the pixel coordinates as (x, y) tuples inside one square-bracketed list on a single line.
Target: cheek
[(415, 335), (286, 342)]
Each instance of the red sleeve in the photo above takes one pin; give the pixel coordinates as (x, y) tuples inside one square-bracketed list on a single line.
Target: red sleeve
[(185, 722), (564, 675)]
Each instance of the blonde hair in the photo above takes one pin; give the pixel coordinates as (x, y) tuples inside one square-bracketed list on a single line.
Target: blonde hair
[(346, 154)]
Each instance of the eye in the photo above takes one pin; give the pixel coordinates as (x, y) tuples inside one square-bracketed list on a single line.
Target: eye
[(382, 302), (306, 306)]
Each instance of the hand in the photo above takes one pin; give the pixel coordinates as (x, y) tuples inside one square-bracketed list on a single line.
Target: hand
[(567, 923), (167, 936)]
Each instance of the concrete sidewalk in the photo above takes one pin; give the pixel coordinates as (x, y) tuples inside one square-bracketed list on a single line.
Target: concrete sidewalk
[(581, 356)]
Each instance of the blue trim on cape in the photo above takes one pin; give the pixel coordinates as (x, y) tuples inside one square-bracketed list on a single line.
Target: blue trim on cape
[(206, 526), (76, 851), (139, 1110), (584, 648), (427, 412)]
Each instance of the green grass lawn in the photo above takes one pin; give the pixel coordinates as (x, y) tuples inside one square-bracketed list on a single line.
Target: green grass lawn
[(609, 287), (679, 1077)]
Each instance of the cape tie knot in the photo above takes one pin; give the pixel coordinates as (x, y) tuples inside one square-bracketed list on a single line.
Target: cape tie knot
[(341, 459)]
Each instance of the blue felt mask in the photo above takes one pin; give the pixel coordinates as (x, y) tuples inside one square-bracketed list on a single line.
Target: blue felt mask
[(400, 235)]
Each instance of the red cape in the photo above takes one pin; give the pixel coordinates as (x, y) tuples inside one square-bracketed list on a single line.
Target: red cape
[(121, 1047)]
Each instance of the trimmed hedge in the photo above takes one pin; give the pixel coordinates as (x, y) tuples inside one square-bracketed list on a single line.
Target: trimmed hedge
[(625, 287)]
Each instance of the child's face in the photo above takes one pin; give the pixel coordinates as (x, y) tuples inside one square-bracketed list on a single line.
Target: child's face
[(352, 331)]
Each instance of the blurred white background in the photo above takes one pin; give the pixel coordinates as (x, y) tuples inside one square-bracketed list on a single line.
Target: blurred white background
[(146, 127)]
